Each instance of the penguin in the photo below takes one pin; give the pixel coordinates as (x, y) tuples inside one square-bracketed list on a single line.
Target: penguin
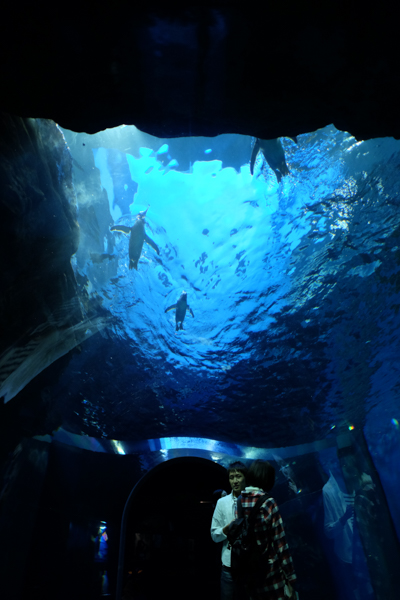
[(180, 307), (273, 153), (137, 237)]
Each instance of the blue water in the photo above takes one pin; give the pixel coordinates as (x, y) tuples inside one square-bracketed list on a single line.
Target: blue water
[(293, 287)]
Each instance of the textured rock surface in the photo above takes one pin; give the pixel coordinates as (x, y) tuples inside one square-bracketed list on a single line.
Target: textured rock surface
[(39, 233), (225, 67), (39, 230)]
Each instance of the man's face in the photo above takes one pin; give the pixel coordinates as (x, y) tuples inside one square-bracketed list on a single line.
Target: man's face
[(236, 479)]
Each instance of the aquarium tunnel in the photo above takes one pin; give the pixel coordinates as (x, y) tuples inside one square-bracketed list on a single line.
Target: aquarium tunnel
[(124, 399)]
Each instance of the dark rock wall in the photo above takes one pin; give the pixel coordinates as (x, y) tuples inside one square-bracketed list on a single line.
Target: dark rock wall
[(38, 228), (20, 498), (39, 305)]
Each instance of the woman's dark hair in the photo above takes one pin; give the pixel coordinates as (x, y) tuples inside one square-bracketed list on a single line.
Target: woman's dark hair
[(238, 466), (261, 474)]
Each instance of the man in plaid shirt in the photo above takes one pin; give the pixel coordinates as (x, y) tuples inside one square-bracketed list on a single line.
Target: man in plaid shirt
[(277, 580)]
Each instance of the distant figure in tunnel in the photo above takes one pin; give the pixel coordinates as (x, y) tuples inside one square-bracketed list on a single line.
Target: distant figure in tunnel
[(275, 580), (351, 521), (181, 306), (224, 514), (339, 526), (137, 237), (273, 153)]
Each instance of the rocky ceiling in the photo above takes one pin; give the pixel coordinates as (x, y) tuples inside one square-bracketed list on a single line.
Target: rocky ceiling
[(179, 69)]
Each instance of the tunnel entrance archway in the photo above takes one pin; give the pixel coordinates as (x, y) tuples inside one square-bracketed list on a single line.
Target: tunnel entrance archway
[(165, 532)]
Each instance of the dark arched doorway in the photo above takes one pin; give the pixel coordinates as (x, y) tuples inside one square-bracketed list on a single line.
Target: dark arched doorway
[(166, 548)]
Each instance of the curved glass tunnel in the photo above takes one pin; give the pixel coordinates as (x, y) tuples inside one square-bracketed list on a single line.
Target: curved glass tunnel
[(288, 353)]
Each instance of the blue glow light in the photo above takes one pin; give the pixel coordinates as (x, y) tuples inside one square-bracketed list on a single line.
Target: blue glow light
[(118, 447)]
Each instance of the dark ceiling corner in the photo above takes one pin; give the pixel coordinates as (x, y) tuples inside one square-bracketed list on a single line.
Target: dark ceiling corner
[(219, 67)]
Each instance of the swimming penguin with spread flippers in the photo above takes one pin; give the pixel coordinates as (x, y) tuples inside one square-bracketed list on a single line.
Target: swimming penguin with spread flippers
[(273, 153), (137, 237), (181, 306)]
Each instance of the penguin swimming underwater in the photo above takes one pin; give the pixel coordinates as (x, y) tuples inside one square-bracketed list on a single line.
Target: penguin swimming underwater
[(137, 237), (180, 307), (273, 153)]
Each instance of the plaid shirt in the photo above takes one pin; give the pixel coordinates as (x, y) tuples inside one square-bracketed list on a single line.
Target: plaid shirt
[(270, 534)]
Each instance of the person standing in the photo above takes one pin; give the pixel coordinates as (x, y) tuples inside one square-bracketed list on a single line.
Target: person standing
[(276, 581), (224, 514), (339, 526)]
